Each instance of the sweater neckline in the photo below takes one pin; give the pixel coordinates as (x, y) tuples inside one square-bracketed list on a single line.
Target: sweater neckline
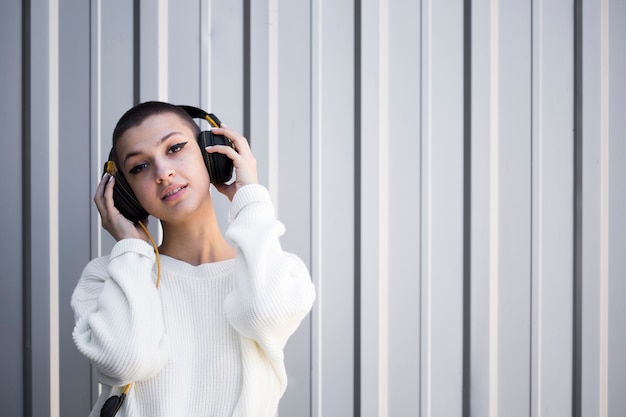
[(182, 268)]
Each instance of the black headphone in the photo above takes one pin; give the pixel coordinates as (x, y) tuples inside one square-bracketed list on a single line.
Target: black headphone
[(219, 167)]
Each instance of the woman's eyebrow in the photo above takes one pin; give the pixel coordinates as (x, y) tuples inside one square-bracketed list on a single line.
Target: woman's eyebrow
[(163, 139)]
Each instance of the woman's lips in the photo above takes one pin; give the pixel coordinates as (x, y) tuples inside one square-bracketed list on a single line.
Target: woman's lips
[(173, 192)]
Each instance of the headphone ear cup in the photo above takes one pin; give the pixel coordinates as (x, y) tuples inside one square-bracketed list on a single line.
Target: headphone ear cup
[(219, 166), (125, 200)]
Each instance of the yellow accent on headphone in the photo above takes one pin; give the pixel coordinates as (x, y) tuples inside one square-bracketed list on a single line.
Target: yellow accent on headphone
[(211, 121), (111, 168)]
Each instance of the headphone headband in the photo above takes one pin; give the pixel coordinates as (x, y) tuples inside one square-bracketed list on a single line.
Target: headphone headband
[(197, 113)]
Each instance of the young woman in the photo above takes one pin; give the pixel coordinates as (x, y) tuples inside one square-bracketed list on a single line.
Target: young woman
[(208, 341)]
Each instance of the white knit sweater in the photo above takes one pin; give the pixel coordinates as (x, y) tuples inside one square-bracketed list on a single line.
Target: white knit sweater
[(209, 341)]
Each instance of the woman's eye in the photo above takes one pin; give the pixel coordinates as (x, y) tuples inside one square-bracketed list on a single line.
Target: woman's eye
[(138, 168), (177, 147)]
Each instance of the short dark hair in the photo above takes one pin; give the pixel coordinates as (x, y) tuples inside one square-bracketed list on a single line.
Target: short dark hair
[(139, 113)]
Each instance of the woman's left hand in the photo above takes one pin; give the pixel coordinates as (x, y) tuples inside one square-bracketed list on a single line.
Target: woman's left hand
[(243, 161)]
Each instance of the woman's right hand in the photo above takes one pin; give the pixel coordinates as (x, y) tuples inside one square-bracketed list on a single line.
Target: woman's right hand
[(112, 220)]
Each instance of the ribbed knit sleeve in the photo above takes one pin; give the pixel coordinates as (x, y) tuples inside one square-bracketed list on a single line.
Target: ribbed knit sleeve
[(273, 288), (119, 321)]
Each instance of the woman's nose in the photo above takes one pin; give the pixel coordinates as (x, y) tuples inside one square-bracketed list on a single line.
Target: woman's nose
[(163, 171)]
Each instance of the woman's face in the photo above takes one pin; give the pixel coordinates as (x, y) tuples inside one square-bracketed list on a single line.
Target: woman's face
[(163, 165)]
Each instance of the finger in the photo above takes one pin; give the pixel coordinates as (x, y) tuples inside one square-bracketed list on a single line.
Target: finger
[(98, 197), (242, 162), (224, 150), (108, 195), (104, 200), (101, 185), (240, 141)]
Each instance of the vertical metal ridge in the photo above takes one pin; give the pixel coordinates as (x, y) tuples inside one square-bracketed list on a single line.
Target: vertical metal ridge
[(494, 207), (95, 145), (26, 214), (531, 202), (357, 208), (578, 199), (467, 204), (136, 51), (53, 208), (313, 378), (604, 208), (383, 208), (246, 70), (420, 396)]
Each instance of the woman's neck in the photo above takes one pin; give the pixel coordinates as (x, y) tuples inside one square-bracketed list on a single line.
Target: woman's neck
[(196, 242)]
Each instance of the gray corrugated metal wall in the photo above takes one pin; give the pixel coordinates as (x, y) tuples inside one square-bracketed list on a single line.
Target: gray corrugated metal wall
[(451, 171)]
